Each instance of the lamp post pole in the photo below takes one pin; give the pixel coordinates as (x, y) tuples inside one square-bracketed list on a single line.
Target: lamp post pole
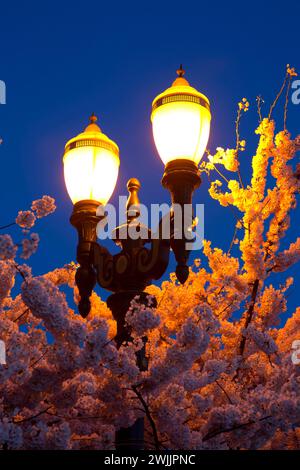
[(132, 437), (119, 303)]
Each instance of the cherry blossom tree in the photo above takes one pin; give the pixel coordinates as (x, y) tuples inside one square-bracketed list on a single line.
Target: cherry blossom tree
[(220, 373)]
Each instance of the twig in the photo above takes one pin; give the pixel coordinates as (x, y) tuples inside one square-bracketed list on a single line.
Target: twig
[(23, 313), (38, 360), (238, 219), (8, 225), (232, 241), (278, 96), (33, 417), (286, 102), (222, 176), (237, 133), (249, 315), (223, 390), (259, 101), (20, 272), (225, 308)]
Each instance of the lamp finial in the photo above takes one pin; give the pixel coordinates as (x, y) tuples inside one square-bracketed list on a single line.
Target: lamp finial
[(93, 118), (93, 126), (180, 72), (180, 80)]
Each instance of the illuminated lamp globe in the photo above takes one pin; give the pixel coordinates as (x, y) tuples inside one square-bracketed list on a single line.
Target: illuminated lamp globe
[(91, 165), (181, 122)]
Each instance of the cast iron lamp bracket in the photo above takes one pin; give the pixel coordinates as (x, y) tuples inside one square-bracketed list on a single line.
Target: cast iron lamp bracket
[(131, 270), (136, 265)]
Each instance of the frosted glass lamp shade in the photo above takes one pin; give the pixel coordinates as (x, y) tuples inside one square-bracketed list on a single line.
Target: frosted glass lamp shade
[(91, 165), (181, 122)]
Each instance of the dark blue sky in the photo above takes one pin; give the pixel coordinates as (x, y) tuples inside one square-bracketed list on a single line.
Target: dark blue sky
[(63, 60)]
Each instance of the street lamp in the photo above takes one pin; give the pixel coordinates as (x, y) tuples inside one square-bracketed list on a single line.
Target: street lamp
[(181, 122)]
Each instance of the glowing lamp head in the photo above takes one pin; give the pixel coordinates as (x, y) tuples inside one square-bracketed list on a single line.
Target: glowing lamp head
[(91, 165), (181, 122)]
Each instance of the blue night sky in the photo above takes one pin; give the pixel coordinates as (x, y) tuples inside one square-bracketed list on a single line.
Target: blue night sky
[(63, 60)]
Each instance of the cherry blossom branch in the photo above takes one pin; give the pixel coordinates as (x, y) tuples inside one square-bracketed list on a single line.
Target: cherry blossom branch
[(150, 419), (237, 133), (232, 241), (286, 102), (72, 418), (277, 96), (213, 434), (32, 417), (27, 310), (40, 358), (221, 174), (249, 315), (224, 391), (20, 272), (225, 308), (165, 340), (259, 101)]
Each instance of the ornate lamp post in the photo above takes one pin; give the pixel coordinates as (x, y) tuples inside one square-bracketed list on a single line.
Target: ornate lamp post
[(181, 122)]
